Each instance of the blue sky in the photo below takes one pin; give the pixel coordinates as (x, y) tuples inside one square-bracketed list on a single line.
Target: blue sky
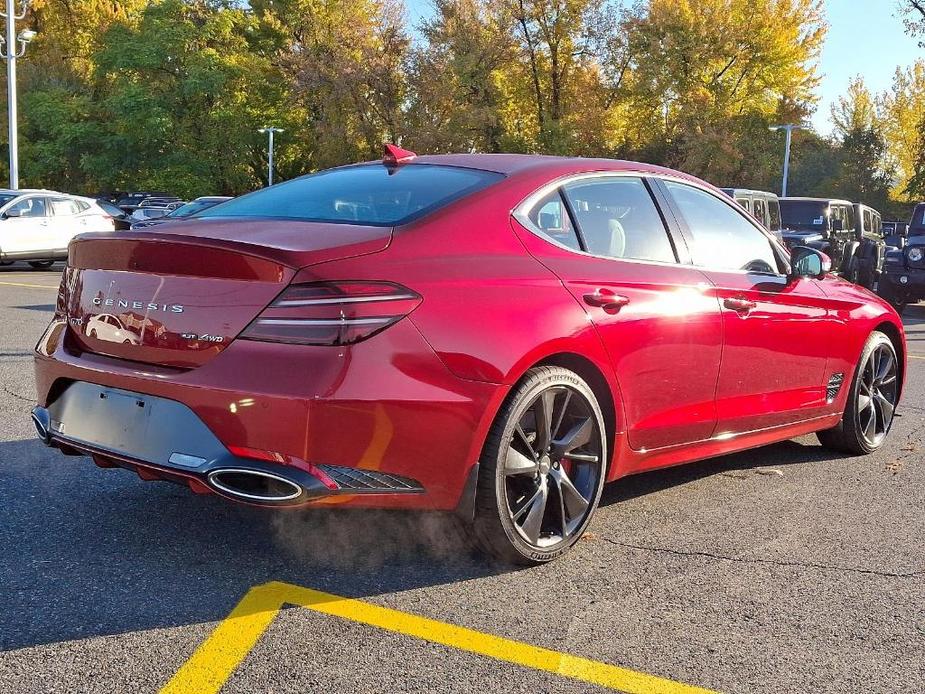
[(866, 37)]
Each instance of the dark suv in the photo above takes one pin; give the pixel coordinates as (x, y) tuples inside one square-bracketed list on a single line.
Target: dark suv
[(903, 279), (840, 229)]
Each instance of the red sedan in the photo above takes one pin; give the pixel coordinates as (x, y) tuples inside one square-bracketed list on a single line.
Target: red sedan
[(497, 335)]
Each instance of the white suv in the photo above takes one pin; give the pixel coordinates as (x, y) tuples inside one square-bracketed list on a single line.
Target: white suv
[(37, 225)]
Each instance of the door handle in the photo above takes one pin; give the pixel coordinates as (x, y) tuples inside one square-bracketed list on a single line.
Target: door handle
[(606, 299), (739, 304)]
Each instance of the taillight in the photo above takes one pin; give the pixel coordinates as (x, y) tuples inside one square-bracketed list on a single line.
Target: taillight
[(332, 313)]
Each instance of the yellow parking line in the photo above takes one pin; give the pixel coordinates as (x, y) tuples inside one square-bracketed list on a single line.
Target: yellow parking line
[(915, 356), (31, 286), (217, 657)]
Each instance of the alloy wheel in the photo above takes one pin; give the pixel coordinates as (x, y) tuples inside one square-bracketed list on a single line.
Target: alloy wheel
[(877, 393), (553, 466)]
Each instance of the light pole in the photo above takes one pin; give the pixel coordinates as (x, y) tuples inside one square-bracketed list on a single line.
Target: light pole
[(10, 53), (270, 130), (788, 128)]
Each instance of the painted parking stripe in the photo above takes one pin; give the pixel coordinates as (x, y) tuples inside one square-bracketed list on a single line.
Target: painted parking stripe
[(915, 356), (24, 284), (217, 657)]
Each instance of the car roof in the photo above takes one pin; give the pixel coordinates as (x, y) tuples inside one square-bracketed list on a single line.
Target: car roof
[(512, 164), (796, 199), (26, 191)]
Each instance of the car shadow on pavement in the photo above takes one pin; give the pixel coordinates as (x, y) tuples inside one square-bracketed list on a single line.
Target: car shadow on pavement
[(765, 458), (89, 552)]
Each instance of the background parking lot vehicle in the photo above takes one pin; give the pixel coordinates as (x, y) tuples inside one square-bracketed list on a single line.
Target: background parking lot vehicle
[(132, 201), (894, 234), (833, 226), (611, 325), (37, 225), (183, 211), (764, 206), (903, 278)]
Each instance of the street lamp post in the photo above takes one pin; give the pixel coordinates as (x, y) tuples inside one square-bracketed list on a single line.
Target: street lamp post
[(270, 130), (9, 52), (788, 129)]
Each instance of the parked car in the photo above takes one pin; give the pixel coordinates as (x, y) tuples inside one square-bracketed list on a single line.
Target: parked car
[(894, 234), (37, 225), (186, 210), (871, 250), (169, 202), (106, 326), (903, 279), (143, 213), (495, 335), (764, 206), (831, 226), (131, 201), (120, 219)]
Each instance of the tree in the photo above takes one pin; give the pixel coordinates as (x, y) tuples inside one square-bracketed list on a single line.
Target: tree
[(345, 62), (456, 77), (900, 112), (700, 65), (861, 172)]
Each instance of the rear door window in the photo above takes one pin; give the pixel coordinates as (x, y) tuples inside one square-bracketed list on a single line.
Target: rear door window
[(369, 194), (617, 218)]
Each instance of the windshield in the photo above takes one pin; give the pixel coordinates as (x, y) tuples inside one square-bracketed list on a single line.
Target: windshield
[(370, 194), (191, 208), (804, 215), (4, 199)]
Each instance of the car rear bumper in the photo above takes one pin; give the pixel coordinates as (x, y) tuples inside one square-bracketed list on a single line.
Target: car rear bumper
[(380, 424)]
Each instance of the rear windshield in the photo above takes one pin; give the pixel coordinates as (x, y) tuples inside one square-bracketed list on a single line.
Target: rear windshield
[(804, 215), (368, 194)]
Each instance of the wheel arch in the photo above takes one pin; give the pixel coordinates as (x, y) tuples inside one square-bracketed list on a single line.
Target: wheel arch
[(889, 329)]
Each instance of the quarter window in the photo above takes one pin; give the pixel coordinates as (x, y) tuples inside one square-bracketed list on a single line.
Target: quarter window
[(63, 206), (722, 237), (551, 218), (617, 218)]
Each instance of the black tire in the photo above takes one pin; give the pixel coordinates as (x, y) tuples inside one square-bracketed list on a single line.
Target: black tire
[(41, 264), (539, 484), (869, 411)]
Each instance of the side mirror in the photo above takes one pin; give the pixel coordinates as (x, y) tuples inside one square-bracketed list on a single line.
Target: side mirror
[(838, 225), (808, 262), (12, 213)]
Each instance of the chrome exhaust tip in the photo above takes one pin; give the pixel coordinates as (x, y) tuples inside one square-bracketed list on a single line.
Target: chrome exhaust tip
[(42, 423), (255, 486)]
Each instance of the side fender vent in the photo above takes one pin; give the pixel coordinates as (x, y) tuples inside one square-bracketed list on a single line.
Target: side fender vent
[(834, 385)]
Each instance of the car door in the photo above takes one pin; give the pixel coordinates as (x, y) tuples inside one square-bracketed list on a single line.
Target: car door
[(776, 331), (24, 231), (661, 327), (64, 221)]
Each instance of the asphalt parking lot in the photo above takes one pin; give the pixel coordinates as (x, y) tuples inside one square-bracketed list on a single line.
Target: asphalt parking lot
[(784, 569)]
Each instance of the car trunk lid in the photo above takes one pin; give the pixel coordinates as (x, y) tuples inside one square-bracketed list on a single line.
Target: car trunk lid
[(178, 294)]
